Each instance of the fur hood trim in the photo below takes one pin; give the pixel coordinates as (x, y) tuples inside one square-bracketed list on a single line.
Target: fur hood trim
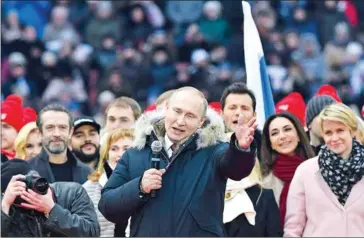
[(211, 132)]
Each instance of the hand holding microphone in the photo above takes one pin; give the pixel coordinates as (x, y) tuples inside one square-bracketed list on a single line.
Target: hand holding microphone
[(152, 178)]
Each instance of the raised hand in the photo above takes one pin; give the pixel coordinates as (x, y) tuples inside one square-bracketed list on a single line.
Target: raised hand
[(245, 131)]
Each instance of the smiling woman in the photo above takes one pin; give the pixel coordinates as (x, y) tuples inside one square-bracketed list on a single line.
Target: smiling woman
[(284, 147), (116, 143), (332, 183), (28, 143)]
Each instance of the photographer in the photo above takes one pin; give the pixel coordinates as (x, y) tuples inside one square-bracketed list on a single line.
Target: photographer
[(31, 208)]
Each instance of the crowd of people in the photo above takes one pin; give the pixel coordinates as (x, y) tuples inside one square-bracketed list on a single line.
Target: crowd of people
[(86, 53), (87, 94), (219, 175)]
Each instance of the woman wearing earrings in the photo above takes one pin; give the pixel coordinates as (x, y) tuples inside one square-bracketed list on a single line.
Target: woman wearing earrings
[(117, 142), (326, 198), (284, 147)]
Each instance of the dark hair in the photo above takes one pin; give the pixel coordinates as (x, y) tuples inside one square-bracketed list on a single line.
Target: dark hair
[(268, 155), (57, 108), (237, 88)]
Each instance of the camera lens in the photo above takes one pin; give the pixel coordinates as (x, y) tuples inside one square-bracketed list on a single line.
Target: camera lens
[(41, 186)]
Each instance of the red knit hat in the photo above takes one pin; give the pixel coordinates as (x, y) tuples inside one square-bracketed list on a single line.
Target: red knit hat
[(15, 98), (29, 115), (151, 107), (294, 104), (12, 111), (330, 91), (216, 106)]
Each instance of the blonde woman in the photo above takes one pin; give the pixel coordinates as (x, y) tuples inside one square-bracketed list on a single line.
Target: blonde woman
[(250, 210), (28, 142), (327, 192), (116, 143), (359, 135)]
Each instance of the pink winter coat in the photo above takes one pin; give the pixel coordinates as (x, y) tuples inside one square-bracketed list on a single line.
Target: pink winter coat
[(313, 210)]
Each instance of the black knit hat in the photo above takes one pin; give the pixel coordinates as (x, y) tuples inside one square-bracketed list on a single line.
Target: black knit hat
[(11, 168), (316, 105)]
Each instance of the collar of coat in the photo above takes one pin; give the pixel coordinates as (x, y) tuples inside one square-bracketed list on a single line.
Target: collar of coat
[(70, 157), (210, 133)]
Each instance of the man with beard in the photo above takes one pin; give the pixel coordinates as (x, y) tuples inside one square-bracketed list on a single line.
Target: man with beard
[(85, 141), (56, 162)]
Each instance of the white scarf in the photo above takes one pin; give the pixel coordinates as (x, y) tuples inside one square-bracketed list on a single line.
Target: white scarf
[(237, 201), (103, 179)]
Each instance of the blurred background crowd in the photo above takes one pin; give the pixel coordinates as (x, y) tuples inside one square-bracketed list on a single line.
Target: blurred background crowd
[(84, 54)]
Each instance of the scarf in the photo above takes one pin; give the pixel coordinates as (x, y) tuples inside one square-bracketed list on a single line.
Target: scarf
[(9, 154), (341, 175), (237, 201), (284, 168)]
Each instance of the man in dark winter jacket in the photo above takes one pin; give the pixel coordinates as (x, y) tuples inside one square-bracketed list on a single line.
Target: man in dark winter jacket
[(64, 211), (56, 162), (195, 165)]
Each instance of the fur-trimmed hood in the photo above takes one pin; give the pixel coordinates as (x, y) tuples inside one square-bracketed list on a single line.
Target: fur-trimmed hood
[(211, 132)]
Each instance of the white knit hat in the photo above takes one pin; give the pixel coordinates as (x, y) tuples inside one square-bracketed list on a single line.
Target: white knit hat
[(199, 55)]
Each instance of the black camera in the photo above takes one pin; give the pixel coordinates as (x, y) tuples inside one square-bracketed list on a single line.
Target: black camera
[(34, 182)]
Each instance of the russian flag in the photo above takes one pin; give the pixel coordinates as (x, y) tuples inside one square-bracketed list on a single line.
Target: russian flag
[(256, 72)]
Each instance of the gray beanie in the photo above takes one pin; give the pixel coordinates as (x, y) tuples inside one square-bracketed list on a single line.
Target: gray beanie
[(316, 105)]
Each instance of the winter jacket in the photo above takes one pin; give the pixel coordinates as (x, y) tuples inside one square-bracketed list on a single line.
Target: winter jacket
[(251, 210), (272, 182), (72, 216), (191, 200), (59, 33), (180, 12), (267, 219), (313, 210), (40, 163), (98, 28), (215, 31)]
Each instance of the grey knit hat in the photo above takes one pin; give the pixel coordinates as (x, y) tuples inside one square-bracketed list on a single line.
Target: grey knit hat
[(316, 105)]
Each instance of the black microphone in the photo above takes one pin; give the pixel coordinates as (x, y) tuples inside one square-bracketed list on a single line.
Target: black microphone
[(156, 159)]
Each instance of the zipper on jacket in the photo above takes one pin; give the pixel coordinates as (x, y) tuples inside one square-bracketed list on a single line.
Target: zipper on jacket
[(39, 227)]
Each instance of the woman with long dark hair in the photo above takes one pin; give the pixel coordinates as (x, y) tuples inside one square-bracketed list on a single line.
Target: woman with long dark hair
[(284, 147)]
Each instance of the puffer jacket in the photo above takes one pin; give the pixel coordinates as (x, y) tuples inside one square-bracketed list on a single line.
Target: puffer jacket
[(191, 200), (72, 216)]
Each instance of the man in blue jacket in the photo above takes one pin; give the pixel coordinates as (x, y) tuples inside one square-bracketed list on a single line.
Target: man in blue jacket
[(195, 166)]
